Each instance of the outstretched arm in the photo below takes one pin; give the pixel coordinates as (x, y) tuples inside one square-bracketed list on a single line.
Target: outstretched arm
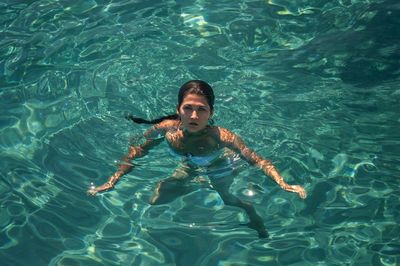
[(235, 143), (126, 165)]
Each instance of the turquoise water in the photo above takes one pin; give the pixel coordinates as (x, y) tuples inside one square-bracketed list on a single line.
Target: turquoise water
[(311, 85)]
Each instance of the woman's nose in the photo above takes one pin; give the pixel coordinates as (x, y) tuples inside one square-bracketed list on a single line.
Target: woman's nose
[(194, 115)]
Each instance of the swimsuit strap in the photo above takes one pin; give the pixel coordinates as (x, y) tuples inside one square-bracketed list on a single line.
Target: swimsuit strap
[(205, 160)]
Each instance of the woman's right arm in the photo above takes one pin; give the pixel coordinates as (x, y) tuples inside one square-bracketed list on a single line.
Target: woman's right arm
[(153, 136)]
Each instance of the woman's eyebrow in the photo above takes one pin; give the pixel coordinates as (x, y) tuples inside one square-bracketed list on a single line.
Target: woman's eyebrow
[(196, 105)]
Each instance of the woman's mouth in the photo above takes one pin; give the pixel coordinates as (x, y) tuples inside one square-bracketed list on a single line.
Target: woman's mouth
[(194, 124)]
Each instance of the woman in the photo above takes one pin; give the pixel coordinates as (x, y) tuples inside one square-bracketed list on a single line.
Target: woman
[(200, 146)]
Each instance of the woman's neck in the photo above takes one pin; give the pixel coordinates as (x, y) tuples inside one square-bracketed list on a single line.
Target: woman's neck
[(197, 134)]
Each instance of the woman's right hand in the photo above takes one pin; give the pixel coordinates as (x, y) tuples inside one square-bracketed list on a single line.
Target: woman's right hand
[(92, 191)]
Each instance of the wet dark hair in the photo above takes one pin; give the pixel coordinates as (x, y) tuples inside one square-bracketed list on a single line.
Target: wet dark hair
[(197, 87)]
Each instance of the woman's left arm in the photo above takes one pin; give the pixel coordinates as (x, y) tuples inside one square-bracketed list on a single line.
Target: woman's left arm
[(235, 143)]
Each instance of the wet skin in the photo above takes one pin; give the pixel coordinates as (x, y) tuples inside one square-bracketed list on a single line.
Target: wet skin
[(192, 135)]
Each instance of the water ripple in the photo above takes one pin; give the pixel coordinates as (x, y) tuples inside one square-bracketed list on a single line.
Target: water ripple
[(310, 85)]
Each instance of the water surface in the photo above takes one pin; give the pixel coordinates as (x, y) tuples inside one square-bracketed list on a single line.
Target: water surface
[(311, 85)]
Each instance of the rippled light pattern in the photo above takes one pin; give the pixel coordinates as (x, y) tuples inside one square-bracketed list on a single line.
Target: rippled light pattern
[(311, 85)]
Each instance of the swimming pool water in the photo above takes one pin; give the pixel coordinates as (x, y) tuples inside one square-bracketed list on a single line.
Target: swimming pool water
[(311, 85)]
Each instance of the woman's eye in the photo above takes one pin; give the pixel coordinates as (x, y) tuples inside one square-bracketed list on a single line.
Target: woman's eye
[(187, 107)]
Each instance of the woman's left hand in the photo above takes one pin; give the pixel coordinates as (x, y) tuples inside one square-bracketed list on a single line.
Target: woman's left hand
[(297, 189)]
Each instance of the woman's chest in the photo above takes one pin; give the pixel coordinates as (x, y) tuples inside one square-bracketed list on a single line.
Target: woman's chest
[(194, 145)]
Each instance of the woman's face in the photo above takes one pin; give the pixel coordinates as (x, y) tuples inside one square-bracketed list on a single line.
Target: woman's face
[(194, 112)]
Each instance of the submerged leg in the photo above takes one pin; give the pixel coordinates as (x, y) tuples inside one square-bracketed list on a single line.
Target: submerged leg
[(256, 221), (171, 188)]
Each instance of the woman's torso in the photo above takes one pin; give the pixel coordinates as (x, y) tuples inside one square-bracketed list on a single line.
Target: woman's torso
[(204, 150), (198, 144)]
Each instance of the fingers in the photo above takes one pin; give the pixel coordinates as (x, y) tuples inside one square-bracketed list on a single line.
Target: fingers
[(299, 190), (95, 190), (92, 192), (302, 193)]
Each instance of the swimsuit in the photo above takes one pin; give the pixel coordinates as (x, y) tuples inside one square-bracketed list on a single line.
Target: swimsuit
[(204, 163), (205, 160)]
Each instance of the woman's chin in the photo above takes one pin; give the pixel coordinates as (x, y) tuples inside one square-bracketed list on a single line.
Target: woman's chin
[(194, 129)]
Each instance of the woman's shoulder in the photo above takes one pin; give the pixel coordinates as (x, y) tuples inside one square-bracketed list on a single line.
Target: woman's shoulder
[(167, 124), (161, 128), (224, 134)]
